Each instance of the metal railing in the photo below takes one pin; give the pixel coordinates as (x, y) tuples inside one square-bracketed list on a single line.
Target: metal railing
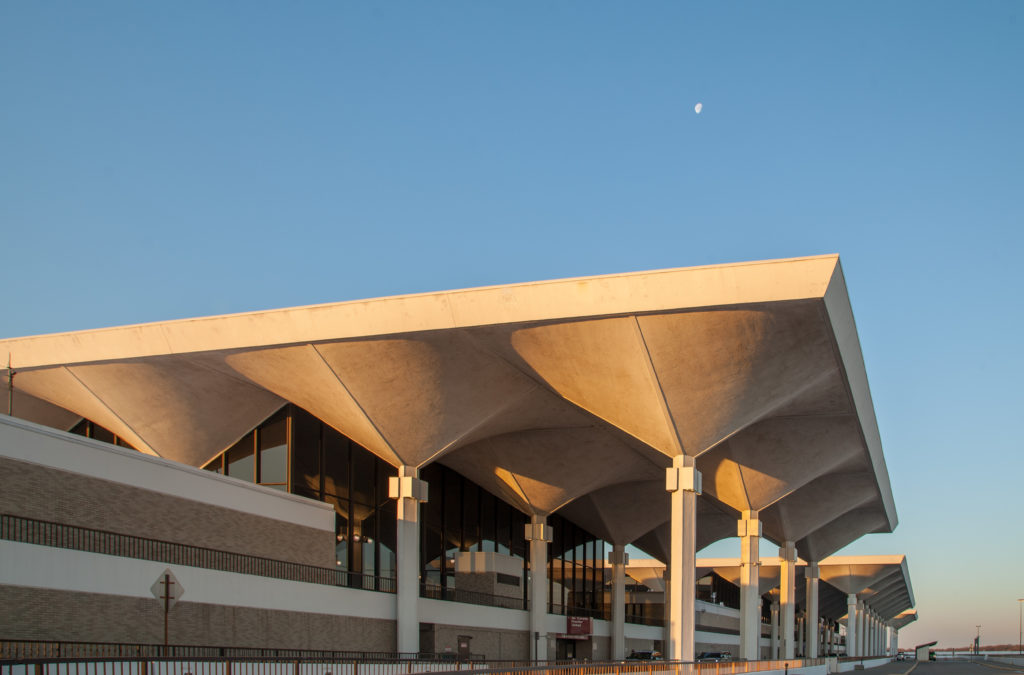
[(74, 537), (77, 649), (373, 664), (437, 592)]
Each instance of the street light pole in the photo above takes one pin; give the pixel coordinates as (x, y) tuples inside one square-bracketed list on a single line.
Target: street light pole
[(977, 641), (1020, 626)]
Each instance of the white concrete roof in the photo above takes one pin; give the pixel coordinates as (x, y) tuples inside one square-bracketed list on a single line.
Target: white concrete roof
[(882, 581), (570, 394)]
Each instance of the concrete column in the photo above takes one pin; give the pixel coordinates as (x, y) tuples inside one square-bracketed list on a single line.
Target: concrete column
[(538, 533), (682, 480), (787, 597), (811, 575), (618, 558), (851, 625), (410, 492), (799, 636), (774, 652), (830, 638), (894, 641), (862, 629), (748, 529)]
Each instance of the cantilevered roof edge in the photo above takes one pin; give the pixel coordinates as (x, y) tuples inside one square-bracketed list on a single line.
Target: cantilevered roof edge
[(563, 299), (844, 329)]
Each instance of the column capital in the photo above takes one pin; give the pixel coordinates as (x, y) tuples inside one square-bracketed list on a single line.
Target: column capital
[(811, 571), (618, 556), (748, 527), (538, 530), (683, 475), (787, 552), (407, 485)]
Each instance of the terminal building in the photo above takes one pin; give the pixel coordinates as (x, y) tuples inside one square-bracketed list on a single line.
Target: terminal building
[(461, 472)]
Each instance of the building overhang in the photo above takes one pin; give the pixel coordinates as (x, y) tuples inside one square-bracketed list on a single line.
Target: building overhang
[(546, 393)]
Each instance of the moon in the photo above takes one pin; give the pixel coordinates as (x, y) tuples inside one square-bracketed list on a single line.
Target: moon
[(697, 108)]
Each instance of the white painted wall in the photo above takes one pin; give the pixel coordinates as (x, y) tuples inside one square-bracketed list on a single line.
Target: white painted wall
[(28, 442)]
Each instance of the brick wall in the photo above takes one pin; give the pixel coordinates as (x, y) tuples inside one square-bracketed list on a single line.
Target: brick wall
[(35, 491), (45, 614), (493, 644)]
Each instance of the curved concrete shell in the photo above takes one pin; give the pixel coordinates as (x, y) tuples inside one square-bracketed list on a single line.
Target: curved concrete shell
[(570, 395)]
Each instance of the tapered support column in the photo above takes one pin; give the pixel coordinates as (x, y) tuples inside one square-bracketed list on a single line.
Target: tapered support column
[(538, 533), (618, 558), (811, 576), (851, 625), (787, 597), (774, 652), (410, 492), (748, 529), (682, 480)]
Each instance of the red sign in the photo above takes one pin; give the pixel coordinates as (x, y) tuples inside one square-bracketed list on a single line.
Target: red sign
[(578, 625)]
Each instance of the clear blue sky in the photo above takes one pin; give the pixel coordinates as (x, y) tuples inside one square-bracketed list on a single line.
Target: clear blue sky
[(166, 160)]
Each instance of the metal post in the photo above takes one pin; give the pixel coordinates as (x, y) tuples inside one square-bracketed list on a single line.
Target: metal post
[(1020, 626), (167, 606), (10, 387)]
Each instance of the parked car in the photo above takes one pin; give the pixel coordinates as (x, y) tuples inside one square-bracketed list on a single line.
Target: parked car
[(645, 656), (713, 657)]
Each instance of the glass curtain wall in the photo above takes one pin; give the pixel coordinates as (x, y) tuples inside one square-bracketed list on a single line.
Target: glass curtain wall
[(294, 451), (462, 517), (576, 561), (90, 429)]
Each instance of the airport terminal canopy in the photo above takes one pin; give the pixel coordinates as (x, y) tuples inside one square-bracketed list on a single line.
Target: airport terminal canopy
[(570, 395)]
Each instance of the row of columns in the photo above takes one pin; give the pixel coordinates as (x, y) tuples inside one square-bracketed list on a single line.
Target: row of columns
[(865, 629), (867, 634)]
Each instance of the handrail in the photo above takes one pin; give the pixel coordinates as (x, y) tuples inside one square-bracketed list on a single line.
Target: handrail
[(74, 537)]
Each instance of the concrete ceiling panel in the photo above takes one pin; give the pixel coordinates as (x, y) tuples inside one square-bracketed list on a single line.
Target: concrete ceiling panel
[(844, 530), (603, 367), (28, 407), (542, 470), (301, 375), (620, 513), (60, 387), (181, 407), (854, 576), (429, 394), (816, 504), (773, 457), (723, 370)]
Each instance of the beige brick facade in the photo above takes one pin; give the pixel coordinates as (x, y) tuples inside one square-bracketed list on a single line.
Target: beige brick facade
[(44, 493), (46, 614)]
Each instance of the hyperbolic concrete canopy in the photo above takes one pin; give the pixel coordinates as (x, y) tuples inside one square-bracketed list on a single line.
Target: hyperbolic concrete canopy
[(883, 581), (570, 394)]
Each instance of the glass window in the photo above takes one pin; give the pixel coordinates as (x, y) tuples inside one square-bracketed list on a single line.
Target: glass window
[(364, 519), (305, 452), (240, 462), (336, 463), (503, 526), (364, 475), (101, 434), (487, 534), (342, 531), (273, 446), (470, 517)]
